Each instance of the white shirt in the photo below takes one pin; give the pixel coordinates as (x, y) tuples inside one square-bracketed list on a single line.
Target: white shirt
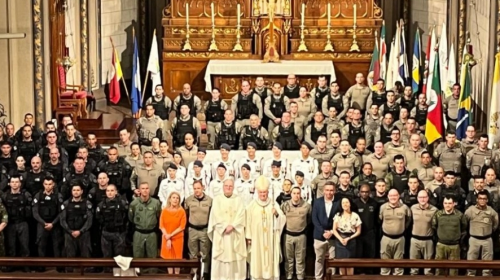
[(181, 172), (230, 168), (276, 186), (169, 185), (189, 184), (255, 166), (328, 207), (245, 189), (267, 167), (205, 170), (308, 166), (215, 187)]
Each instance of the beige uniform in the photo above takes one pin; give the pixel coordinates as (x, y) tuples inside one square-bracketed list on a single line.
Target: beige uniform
[(425, 173), (196, 101), (400, 124), (188, 155), (405, 137), (196, 126), (142, 174), (476, 159), (147, 129), (395, 220), (318, 183), (211, 125), (322, 156), (482, 224), (134, 161), (450, 106), (198, 212), (357, 95), (325, 109), (163, 160), (267, 108), (307, 108), (123, 148), (299, 120), (450, 158), (297, 129), (333, 124), (392, 149), (468, 145), (413, 158), (298, 216), (255, 100), (349, 163), (421, 245), (433, 185), (380, 164)]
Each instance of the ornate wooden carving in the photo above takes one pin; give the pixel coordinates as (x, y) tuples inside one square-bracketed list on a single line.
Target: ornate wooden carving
[(57, 43)]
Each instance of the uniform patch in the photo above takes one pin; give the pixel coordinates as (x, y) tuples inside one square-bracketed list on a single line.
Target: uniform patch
[(62, 207)]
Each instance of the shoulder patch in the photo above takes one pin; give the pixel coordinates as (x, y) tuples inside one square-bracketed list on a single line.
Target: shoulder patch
[(35, 200), (62, 207)]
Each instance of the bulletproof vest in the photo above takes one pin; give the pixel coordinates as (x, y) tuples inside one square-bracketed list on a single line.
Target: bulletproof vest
[(316, 133), (113, 214), (34, 182), (354, 134), (183, 127), (189, 102), (370, 180), (379, 99), (48, 208), (349, 193), (16, 206), (160, 109), (385, 135), (336, 103), (408, 104), (400, 181), (288, 139), (55, 170), (245, 106), (380, 200), (214, 112), (320, 94), (393, 110), (291, 93), (263, 94), (452, 192), (82, 178), (115, 173), (97, 153), (421, 116), (277, 106), (45, 156), (451, 159), (97, 196), (410, 199), (228, 135), (8, 163), (71, 148), (253, 135), (76, 214), (27, 149)]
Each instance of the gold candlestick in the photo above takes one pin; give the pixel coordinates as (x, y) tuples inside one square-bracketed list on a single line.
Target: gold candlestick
[(213, 44), (354, 46), (256, 8), (187, 44), (302, 46), (237, 46), (328, 47)]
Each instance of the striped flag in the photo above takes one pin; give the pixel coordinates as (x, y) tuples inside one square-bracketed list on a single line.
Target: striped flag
[(136, 80), (374, 72), (465, 100), (493, 128), (417, 63), (434, 129), (452, 71), (396, 53), (443, 56), (404, 74), (383, 52), (426, 64), (114, 76), (432, 56)]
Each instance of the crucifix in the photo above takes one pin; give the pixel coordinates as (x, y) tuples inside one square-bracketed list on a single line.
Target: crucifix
[(271, 54)]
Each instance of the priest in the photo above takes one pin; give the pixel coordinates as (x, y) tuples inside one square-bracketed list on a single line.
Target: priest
[(226, 230), (265, 222)]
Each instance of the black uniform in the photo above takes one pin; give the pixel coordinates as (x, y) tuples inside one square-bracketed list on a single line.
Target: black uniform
[(316, 133), (400, 180), (119, 173), (288, 138), (246, 107), (181, 129), (380, 199), (228, 135), (379, 99), (18, 207), (4, 178), (385, 134), (350, 193), (72, 146), (370, 180), (319, 95), (34, 181), (254, 135), (394, 111), (455, 191), (112, 216), (337, 103), (183, 101), (277, 106), (46, 209), (28, 150), (76, 216), (355, 133), (86, 180), (408, 104), (98, 153), (410, 199), (36, 134), (58, 171), (368, 213), (291, 93), (95, 196), (160, 109), (44, 154), (421, 116), (9, 162), (214, 112)]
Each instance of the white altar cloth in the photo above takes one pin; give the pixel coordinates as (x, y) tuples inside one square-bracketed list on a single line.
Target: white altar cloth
[(256, 67)]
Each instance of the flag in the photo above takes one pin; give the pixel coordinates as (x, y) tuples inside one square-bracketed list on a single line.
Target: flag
[(395, 61), (426, 65), (417, 48), (443, 57), (432, 56), (389, 75), (374, 72), (136, 80), (403, 59), (115, 74), (434, 126), (465, 100), (383, 52), (452, 72), (493, 129), (154, 65)]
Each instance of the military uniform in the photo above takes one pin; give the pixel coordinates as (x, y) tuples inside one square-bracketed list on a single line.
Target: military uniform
[(274, 107), (450, 106), (468, 145), (392, 149), (398, 181), (123, 148), (364, 179), (72, 146), (244, 106), (227, 133), (86, 180), (144, 215), (349, 163), (450, 158), (77, 216), (318, 183), (413, 157), (471, 198), (192, 101), (483, 223), (352, 132), (313, 131), (348, 191), (289, 136), (112, 216), (44, 154), (336, 101), (408, 103), (358, 95), (380, 164), (34, 181), (409, 197), (392, 109), (425, 173), (27, 149), (18, 207), (118, 173), (143, 174), (259, 136), (449, 228), (382, 134), (298, 216), (366, 242), (46, 210), (149, 128), (183, 125), (198, 211), (322, 156), (421, 244), (455, 191), (4, 218), (136, 161), (214, 114), (420, 115), (97, 153), (477, 160), (162, 105)]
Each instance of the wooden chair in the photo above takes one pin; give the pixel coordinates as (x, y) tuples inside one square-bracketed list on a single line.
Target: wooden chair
[(71, 95)]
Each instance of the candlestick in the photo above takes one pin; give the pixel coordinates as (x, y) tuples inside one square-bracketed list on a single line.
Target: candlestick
[(213, 12), (237, 46), (354, 46), (328, 46), (213, 44), (355, 8), (187, 44), (302, 46), (303, 12), (238, 13)]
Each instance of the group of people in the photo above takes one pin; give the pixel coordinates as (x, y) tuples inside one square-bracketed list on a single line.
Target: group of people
[(358, 180)]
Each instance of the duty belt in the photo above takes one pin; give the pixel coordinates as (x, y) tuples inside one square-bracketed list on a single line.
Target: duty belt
[(422, 238), (448, 242), (482, 237), (396, 236), (296, 233), (145, 231), (197, 227)]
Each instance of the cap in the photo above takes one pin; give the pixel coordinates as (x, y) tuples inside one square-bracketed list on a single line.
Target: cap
[(276, 163), (225, 147), (278, 145), (202, 150), (222, 165), (299, 173), (252, 144), (172, 166), (309, 146), (246, 166), (198, 163)]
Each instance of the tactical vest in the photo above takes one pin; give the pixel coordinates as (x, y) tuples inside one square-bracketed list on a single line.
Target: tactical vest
[(97, 196), (214, 112), (408, 104), (349, 193), (253, 135), (16, 207), (354, 134), (27, 149), (410, 199), (421, 116), (336, 103), (48, 208), (76, 214), (380, 200), (34, 182), (115, 173), (97, 153), (370, 180), (71, 147), (181, 128), (277, 107), (291, 93), (113, 214), (77, 179), (316, 133), (160, 109), (228, 135), (245, 106), (288, 139), (400, 181), (379, 99), (451, 192), (189, 102), (319, 96), (385, 135), (394, 111), (55, 170)]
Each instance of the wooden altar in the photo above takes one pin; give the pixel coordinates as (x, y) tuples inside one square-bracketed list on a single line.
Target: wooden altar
[(189, 66)]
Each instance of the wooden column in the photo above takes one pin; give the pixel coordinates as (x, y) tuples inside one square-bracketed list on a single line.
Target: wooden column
[(38, 45), (56, 44)]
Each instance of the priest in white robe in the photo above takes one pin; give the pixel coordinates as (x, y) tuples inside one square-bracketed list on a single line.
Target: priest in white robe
[(226, 230), (265, 222)]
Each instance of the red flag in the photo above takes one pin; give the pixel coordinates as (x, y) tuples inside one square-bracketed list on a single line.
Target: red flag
[(427, 66), (115, 74)]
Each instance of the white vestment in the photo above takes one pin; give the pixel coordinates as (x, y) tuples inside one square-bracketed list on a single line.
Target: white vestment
[(228, 250), (264, 230)]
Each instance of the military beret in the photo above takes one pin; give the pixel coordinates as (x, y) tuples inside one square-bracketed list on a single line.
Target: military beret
[(225, 147), (278, 145), (172, 166), (222, 165), (276, 163), (299, 173), (246, 166), (309, 146), (198, 163), (202, 150), (252, 144)]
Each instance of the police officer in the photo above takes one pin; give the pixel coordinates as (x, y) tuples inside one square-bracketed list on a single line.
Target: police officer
[(161, 103), (450, 226), (345, 189), (483, 222), (35, 133), (35, 176), (368, 213), (46, 209), (124, 144), (425, 172), (227, 131), (407, 100), (413, 152), (319, 181), (450, 189), (111, 213), (480, 158), (398, 177), (322, 152), (355, 129), (421, 244), (365, 177), (134, 158), (437, 181), (317, 128), (198, 206), (84, 180), (27, 146), (298, 216), (214, 113), (334, 99), (358, 94), (18, 205), (395, 147), (76, 220), (332, 121), (287, 133), (146, 172), (71, 143), (320, 92), (4, 217), (118, 171), (450, 154), (49, 126), (95, 150), (383, 133), (470, 141), (254, 133), (378, 96), (345, 160), (96, 195), (144, 213), (187, 98), (410, 195), (8, 156), (44, 152), (90, 164), (420, 112), (245, 104), (291, 90), (275, 105), (450, 106), (391, 106), (55, 167), (149, 127), (185, 123)]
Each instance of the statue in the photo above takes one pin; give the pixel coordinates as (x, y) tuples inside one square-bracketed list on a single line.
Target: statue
[(271, 54)]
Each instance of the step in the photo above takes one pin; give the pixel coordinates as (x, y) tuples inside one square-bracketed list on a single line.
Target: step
[(93, 121)]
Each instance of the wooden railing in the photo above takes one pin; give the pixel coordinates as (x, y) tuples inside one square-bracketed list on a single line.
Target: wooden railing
[(405, 263), (82, 264)]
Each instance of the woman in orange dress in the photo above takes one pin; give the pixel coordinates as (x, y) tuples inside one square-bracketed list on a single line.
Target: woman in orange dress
[(172, 224)]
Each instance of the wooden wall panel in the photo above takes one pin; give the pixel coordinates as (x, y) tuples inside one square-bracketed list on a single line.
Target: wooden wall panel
[(346, 72), (57, 44), (176, 73)]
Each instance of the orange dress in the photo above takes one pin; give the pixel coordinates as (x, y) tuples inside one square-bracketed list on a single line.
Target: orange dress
[(171, 220)]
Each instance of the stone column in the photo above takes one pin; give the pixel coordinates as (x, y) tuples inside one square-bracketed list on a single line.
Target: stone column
[(39, 76)]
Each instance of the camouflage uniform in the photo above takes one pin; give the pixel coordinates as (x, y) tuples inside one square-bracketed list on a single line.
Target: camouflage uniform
[(4, 219)]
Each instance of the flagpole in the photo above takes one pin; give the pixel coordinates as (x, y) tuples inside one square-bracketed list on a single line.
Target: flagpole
[(123, 79), (145, 82)]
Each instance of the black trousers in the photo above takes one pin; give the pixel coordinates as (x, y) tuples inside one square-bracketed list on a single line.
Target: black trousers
[(81, 244), (17, 233), (43, 238)]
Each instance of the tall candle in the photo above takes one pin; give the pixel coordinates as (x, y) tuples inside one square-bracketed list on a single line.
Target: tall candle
[(187, 12), (238, 12), (329, 11), (354, 14), (303, 12), (213, 13)]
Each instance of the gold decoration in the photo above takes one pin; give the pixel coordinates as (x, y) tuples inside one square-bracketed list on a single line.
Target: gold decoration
[(210, 55), (331, 56), (38, 57), (302, 46), (84, 42), (354, 46), (187, 44), (328, 46), (462, 20), (232, 88), (237, 46), (271, 54), (286, 10), (256, 8), (213, 44)]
